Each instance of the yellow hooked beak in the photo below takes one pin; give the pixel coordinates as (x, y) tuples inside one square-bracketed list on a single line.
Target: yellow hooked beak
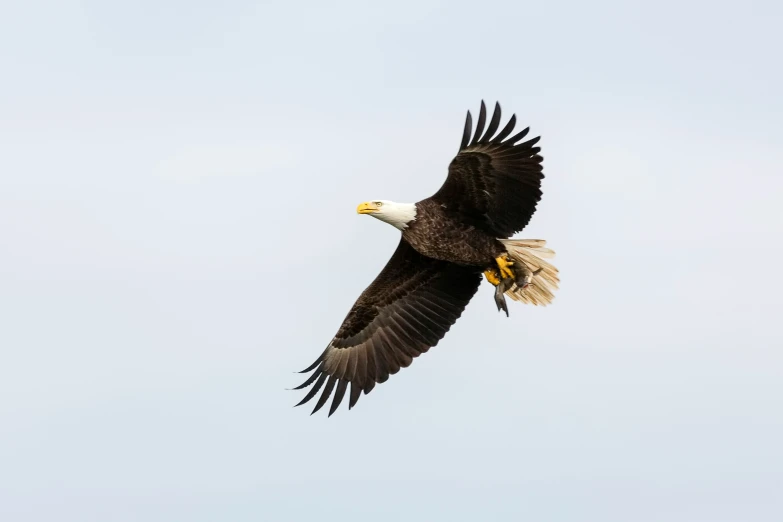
[(367, 208)]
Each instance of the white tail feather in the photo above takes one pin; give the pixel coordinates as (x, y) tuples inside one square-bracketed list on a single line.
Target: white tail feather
[(542, 277)]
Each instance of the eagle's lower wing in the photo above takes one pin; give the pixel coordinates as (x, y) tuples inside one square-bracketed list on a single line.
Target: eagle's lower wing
[(407, 309), (492, 183)]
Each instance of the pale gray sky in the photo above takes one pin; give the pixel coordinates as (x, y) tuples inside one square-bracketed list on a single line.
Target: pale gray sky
[(178, 184)]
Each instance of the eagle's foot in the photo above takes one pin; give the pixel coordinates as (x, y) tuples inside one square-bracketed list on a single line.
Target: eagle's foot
[(505, 264), (493, 276)]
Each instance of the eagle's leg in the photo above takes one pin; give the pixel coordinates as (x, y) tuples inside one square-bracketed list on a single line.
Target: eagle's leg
[(505, 264), (493, 276)]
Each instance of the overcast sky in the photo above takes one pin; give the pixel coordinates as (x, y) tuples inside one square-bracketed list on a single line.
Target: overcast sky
[(178, 235)]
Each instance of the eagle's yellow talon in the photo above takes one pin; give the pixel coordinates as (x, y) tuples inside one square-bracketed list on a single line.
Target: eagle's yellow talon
[(492, 276), (504, 264)]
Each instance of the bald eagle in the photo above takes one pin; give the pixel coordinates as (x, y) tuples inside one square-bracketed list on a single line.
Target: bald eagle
[(448, 241)]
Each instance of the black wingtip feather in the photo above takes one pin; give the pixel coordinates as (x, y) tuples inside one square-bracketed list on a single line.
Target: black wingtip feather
[(493, 124), (356, 392), (316, 363), (466, 132), (521, 134), (314, 389), (531, 142), (480, 125), (506, 130), (339, 393), (309, 380), (325, 394), (311, 367)]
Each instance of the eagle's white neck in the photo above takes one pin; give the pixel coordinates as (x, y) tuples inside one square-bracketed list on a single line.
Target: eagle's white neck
[(398, 215)]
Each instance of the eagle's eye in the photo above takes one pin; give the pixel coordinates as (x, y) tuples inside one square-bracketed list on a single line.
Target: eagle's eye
[(378, 204)]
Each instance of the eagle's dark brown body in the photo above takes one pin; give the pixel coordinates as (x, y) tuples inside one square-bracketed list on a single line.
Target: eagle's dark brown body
[(442, 234)]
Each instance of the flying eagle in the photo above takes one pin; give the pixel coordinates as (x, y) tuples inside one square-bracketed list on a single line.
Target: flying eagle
[(448, 241)]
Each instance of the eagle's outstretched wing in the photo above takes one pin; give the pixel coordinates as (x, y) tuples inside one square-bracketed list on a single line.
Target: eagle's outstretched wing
[(407, 309), (492, 183)]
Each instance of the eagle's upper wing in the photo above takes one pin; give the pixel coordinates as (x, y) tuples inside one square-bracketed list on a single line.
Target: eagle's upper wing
[(494, 184), (407, 309)]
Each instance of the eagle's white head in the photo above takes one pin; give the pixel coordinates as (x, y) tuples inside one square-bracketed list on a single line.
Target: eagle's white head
[(399, 215)]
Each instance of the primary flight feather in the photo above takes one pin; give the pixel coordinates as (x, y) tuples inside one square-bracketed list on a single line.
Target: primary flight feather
[(448, 241)]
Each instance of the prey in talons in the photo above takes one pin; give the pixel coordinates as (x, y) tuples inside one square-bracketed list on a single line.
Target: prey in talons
[(503, 278)]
